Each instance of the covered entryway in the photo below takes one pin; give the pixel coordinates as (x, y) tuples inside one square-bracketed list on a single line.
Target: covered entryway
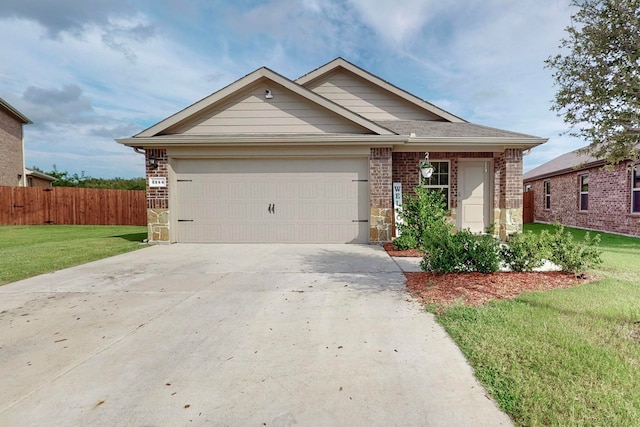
[(474, 189), (271, 200)]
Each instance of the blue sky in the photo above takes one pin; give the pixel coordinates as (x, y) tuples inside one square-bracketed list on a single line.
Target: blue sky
[(86, 72)]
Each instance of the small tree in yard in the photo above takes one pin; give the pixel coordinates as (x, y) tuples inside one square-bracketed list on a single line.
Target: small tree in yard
[(598, 77)]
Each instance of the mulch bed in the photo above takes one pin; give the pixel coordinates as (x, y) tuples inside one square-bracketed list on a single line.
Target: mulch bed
[(476, 289)]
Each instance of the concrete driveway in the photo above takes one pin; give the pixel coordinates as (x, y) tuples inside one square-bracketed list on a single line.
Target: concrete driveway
[(237, 335)]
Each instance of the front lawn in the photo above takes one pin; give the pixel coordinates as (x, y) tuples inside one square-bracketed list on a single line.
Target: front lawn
[(562, 357), (27, 251)]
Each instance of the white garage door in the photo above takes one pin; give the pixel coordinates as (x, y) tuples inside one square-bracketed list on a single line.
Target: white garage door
[(271, 200)]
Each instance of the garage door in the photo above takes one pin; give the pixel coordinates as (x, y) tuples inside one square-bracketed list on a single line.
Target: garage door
[(271, 200)]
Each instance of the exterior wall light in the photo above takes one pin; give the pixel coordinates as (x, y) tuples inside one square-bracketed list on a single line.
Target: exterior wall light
[(153, 161)]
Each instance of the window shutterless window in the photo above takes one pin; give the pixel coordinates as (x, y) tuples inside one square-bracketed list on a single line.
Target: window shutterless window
[(547, 195), (439, 180), (584, 192), (635, 189)]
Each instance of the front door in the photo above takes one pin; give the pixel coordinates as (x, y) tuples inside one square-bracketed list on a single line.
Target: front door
[(474, 195)]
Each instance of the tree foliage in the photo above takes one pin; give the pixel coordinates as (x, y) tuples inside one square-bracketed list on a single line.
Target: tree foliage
[(67, 179), (597, 76)]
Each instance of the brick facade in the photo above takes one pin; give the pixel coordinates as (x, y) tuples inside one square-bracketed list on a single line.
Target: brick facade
[(609, 207), (507, 182), (11, 155), (158, 228), (380, 195)]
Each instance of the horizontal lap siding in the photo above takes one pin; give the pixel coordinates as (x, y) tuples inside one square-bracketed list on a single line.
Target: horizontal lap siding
[(69, 205), (367, 99), (252, 113)]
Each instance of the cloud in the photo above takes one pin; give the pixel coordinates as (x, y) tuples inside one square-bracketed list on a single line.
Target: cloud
[(66, 105), (70, 16)]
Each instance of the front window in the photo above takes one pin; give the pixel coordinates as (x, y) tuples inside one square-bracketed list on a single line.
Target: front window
[(439, 180), (635, 189), (584, 192), (547, 195)]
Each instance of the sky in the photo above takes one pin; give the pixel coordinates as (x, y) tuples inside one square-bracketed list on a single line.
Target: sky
[(89, 71)]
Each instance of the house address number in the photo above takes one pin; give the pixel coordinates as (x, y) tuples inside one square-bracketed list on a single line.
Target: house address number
[(158, 181)]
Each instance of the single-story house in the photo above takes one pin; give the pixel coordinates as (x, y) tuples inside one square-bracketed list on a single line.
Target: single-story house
[(38, 179), (575, 190), (269, 159), (12, 171)]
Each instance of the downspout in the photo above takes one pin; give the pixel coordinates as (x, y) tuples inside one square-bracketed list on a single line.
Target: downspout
[(139, 150)]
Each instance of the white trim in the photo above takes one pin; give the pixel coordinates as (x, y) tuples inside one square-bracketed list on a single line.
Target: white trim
[(448, 186)]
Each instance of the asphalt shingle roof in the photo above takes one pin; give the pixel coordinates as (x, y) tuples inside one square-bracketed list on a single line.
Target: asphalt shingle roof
[(438, 129)]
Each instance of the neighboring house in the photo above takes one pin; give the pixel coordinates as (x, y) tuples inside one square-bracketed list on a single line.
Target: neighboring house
[(576, 190), (12, 172), (38, 179), (268, 159)]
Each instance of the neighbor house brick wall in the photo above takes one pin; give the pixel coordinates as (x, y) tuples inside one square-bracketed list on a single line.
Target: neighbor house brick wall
[(380, 195), (157, 197), (11, 155), (609, 200)]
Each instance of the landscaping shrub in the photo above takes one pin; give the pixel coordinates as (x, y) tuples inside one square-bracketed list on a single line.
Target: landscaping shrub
[(461, 252), (571, 255), (422, 216), (525, 251)]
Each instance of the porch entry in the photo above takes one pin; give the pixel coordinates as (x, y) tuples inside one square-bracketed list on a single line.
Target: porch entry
[(474, 194)]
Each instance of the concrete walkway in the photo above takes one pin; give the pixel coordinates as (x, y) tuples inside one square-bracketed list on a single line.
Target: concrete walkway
[(238, 335)]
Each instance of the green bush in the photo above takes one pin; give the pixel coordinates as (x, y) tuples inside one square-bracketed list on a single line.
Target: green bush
[(461, 252), (525, 251), (571, 255), (421, 216)]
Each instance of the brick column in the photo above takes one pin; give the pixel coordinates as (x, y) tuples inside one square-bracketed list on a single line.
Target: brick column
[(380, 195), (509, 214), (157, 198)]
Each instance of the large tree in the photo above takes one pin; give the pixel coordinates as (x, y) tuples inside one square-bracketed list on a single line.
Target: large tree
[(597, 75)]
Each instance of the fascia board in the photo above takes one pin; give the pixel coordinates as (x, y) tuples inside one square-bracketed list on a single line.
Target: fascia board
[(17, 114), (280, 140)]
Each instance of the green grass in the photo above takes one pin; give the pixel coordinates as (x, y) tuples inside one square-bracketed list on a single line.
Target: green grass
[(27, 251), (563, 357)]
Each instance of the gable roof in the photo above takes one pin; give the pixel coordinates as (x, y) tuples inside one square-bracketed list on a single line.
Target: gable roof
[(340, 63), (260, 74), (435, 129), (568, 162), (15, 113)]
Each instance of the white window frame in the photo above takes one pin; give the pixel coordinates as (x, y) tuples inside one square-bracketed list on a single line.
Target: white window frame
[(582, 192), (547, 194), (635, 191), (421, 180)]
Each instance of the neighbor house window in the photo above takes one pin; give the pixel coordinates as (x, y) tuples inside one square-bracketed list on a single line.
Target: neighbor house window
[(547, 195), (584, 192), (439, 181), (635, 189)]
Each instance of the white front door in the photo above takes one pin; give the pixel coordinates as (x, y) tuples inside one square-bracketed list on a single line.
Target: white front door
[(474, 195)]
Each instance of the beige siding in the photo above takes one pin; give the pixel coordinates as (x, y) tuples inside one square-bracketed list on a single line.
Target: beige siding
[(250, 112), (367, 99), (271, 200)]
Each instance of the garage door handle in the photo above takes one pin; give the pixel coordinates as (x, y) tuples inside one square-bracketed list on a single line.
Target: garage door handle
[(272, 208)]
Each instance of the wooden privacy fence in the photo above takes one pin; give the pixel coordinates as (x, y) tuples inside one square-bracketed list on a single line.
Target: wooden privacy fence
[(71, 205), (527, 207)]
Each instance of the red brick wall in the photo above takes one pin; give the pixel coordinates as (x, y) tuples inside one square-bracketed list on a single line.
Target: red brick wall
[(11, 156), (609, 201), (157, 197), (380, 184), (405, 170)]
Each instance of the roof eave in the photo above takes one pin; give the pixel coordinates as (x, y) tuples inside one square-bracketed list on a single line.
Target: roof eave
[(575, 168), (247, 140), (17, 114)]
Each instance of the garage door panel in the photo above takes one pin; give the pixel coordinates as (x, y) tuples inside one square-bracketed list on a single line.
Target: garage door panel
[(316, 200)]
